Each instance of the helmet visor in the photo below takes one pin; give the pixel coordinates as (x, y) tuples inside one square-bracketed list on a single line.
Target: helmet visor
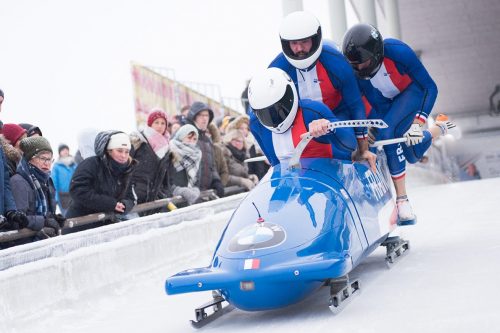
[(368, 71), (274, 115)]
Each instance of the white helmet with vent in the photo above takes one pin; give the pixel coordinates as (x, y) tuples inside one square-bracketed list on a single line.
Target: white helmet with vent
[(299, 26), (273, 98)]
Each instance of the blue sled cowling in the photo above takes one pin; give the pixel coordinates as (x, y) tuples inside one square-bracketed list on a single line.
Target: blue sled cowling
[(296, 229)]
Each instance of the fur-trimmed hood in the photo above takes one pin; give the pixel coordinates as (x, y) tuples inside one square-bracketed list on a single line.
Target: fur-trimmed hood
[(10, 152)]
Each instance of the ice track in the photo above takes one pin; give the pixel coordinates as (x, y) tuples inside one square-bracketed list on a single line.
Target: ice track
[(116, 284)]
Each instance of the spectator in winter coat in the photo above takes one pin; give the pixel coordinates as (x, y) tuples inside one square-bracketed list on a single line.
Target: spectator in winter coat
[(186, 158), (200, 115), (101, 183), (235, 153), (33, 189), (13, 134), (62, 171), (151, 150), (220, 160), (10, 217)]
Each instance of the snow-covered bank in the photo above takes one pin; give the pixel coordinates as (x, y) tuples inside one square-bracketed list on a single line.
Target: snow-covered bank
[(64, 269), (118, 286)]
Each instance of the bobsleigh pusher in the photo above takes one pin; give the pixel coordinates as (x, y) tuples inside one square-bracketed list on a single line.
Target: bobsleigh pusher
[(302, 227)]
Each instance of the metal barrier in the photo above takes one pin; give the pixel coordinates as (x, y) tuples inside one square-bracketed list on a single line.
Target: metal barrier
[(80, 221)]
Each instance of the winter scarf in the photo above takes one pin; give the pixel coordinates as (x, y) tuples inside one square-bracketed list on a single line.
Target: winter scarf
[(189, 159), (239, 155), (116, 168), (159, 143), (35, 177)]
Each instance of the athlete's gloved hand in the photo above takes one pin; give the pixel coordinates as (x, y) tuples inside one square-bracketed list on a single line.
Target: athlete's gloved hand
[(414, 135), (318, 127)]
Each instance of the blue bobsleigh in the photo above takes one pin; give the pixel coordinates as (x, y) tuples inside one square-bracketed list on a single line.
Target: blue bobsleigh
[(297, 230)]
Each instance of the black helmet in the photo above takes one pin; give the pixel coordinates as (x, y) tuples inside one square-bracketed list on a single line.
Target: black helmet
[(361, 43)]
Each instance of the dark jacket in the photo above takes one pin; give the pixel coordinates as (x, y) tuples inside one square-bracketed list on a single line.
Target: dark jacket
[(208, 177), (150, 179), (25, 198), (7, 202), (96, 188), (177, 178)]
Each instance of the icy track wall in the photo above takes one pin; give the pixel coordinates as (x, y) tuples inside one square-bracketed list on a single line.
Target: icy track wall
[(68, 267), (37, 277)]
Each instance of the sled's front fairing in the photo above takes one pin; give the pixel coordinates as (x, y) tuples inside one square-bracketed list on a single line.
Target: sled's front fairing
[(296, 229)]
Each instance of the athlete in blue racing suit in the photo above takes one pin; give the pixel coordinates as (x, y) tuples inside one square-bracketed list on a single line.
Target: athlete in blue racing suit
[(321, 73), (401, 92), (279, 120)]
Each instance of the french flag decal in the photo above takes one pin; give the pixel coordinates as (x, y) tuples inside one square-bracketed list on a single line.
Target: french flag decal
[(251, 264)]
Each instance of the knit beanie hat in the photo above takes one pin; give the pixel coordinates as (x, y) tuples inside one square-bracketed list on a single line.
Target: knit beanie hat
[(33, 145), (13, 132), (184, 131), (155, 115), (119, 140)]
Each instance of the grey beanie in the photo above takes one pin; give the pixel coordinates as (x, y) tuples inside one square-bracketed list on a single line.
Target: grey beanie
[(33, 145)]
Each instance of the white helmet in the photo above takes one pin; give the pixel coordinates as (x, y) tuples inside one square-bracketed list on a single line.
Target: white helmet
[(297, 26), (273, 98)]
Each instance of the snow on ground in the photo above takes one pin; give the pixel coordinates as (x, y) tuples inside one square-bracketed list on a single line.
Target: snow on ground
[(447, 282)]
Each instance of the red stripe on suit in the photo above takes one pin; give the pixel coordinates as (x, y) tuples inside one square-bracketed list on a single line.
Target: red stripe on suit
[(400, 81), (314, 148), (331, 96)]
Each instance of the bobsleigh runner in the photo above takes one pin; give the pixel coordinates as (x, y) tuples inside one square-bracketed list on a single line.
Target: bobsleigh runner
[(307, 224)]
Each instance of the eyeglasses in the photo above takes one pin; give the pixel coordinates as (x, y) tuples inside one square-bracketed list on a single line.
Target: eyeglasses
[(45, 160)]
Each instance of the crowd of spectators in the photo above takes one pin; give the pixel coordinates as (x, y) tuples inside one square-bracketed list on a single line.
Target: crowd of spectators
[(112, 171)]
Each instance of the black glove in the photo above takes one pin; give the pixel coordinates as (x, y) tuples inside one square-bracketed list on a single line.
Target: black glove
[(4, 223), (51, 222), (17, 217), (218, 187), (60, 220)]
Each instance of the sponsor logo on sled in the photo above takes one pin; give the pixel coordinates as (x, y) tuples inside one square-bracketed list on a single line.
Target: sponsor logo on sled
[(251, 264), (257, 236)]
